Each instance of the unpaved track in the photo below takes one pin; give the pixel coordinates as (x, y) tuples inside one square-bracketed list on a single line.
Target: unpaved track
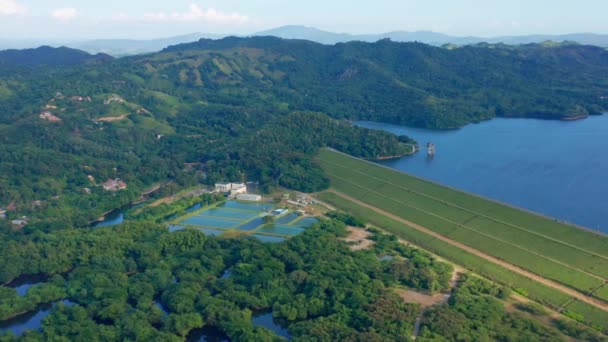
[(592, 301), (476, 231), (478, 213)]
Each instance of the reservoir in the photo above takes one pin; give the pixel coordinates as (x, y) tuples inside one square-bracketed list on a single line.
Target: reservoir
[(555, 168)]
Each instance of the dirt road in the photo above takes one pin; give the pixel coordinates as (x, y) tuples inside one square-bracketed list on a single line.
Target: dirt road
[(597, 303)]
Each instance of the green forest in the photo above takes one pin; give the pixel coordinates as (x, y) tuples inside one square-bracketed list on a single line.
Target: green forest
[(138, 281), (74, 126)]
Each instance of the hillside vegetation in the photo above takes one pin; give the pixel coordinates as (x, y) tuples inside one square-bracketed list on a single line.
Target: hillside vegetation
[(253, 109)]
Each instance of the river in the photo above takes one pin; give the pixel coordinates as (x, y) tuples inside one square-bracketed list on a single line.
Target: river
[(555, 168)]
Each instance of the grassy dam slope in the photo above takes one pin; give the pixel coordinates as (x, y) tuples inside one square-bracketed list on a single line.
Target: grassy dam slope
[(574, 258)]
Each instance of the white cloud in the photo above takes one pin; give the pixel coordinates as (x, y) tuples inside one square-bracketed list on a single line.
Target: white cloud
[(196, 13), (64, 14), (11, 7)]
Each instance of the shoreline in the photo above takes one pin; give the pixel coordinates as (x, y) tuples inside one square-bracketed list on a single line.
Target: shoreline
[(546, 217), (381, 158), (575, 118)]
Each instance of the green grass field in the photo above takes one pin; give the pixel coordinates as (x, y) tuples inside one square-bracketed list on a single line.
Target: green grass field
[(563, 253), (591, 315), (536, 291), (602, 293)]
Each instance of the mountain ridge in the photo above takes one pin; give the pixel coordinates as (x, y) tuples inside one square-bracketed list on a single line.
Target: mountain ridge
[(429, 37), (50, 56), (122, 47)]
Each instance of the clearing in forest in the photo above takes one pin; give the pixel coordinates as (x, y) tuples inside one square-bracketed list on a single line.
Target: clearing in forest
[(359, 238)]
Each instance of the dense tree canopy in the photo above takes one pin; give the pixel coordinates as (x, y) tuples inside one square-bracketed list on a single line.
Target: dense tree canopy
[(313, 284)]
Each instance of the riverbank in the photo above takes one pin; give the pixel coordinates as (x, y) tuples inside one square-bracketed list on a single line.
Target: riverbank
[(414, 150)]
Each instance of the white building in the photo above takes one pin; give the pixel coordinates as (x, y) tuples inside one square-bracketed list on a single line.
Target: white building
[(223, 187), (296, 203), (238, 189), (232, 188), (249, 197), (279, 212)]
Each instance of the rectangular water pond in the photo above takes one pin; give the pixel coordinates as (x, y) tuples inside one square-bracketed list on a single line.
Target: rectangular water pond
[(213, 232), (287, 218), (210, 222), (281, 230), (229, 214), (257, 207), (252, 225), (306, 222), (175, 228), (269, 239)]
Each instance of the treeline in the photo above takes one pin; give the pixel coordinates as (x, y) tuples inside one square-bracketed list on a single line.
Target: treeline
[(176, 208), (314, 284)]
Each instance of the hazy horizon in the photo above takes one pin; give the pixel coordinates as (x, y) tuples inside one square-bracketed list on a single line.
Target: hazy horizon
[(74, 20), (246, 34)]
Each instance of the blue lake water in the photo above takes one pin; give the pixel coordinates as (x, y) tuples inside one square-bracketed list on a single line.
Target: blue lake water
[(267, 321), (29, 321), (22, 289), (111, 220), (24, 283), (555, 168)]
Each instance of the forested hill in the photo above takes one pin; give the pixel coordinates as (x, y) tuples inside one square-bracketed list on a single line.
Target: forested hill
[(48, 56), (422, 85), (253, 109)]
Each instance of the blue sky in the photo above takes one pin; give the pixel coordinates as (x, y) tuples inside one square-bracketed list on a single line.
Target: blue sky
[(62, 19)]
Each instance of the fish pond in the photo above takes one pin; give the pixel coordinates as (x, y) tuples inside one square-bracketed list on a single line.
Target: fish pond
[(245, 218)]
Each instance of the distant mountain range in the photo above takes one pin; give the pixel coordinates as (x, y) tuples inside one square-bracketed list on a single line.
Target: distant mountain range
[(49, 56), (115, 47), (427, 37), (121, 47)]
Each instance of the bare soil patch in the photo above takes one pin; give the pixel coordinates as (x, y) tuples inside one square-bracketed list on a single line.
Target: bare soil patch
[(112, 118), (359, 238), (425, 300)]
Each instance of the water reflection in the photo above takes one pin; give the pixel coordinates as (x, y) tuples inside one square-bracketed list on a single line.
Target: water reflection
[(207, 334), (267, 321), (31, 320), (111, 220), (23, 283)]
